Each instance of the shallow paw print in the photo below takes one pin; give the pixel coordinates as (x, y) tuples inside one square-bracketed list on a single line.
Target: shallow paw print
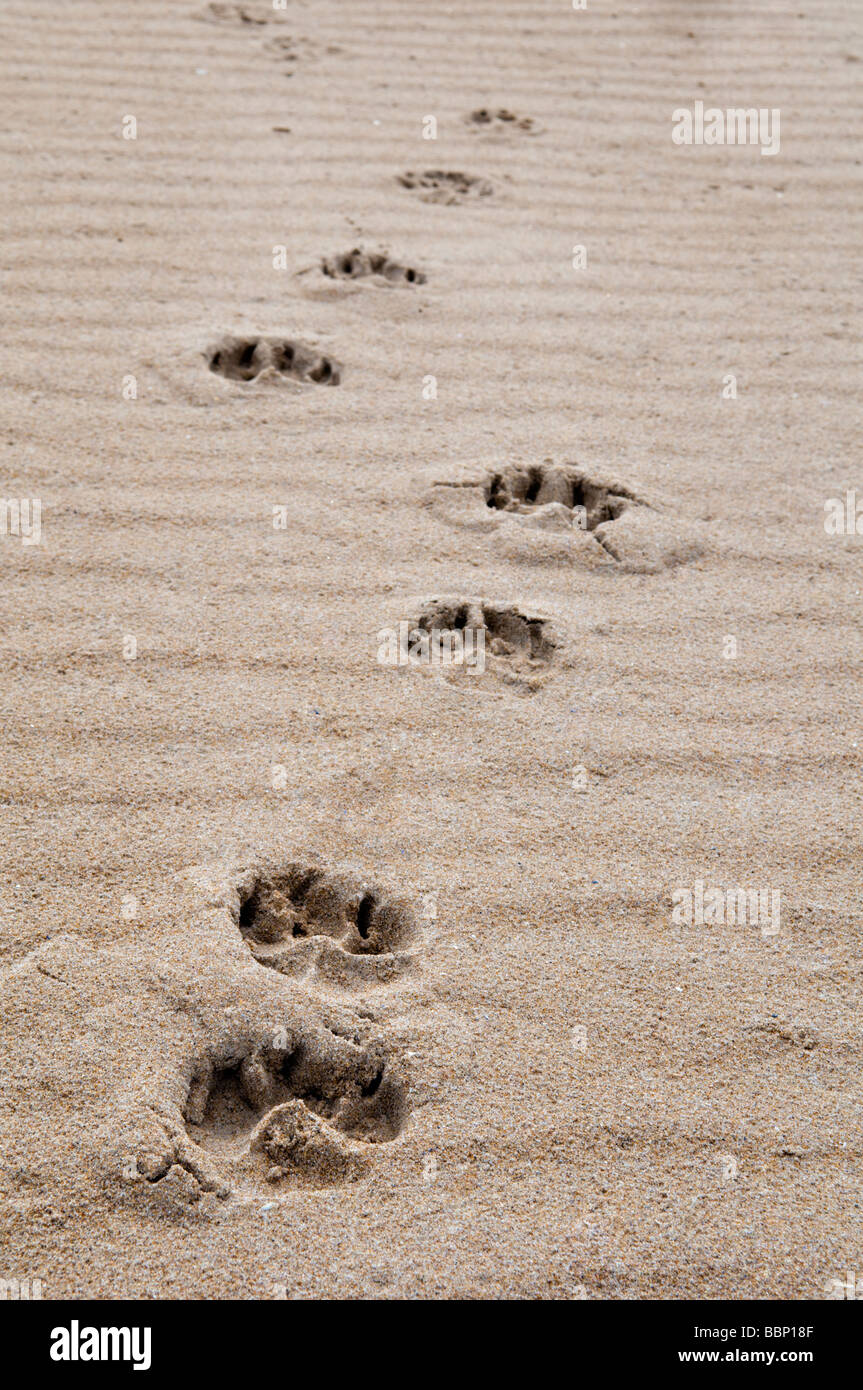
[(290, 49)]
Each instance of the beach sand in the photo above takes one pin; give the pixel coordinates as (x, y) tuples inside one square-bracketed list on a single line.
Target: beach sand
[(489, 1062)]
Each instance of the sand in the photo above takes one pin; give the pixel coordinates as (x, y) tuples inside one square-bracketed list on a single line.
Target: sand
[(323, 977)]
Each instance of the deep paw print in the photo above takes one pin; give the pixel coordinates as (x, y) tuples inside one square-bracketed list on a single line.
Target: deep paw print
[(188, 1073), (303, 1103), (247, 359), (299, 920), (556, 494), (445, 186), (358, 264), (487, 119), (499, 645), (293, 1109)]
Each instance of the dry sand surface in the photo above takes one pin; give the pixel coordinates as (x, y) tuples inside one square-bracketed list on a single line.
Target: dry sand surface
[(328, 978)]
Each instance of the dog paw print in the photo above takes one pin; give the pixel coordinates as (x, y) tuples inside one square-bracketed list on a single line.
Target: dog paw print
[(291, 49), (500, 120), (304, 1104), (251, 359), (445, 186), (301, 920), (475, 644), (557, 496), (306, 1111), (548, 511), (357, 264)]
